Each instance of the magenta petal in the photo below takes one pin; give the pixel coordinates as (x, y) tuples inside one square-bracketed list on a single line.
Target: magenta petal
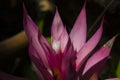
[(41, 71), (58, 31), (32, 32), (29, 25), (57, 27), (54, 60), (67, 59), (39, 74), (5, 76), (78, 33), (113, 79), (101, 54), (40, 51), (38, 64), (94, 72), (88, 47), (33, 53), (68, 63), (63, 40)]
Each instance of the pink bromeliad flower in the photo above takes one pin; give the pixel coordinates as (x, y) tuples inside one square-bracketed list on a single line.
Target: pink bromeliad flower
[(68, 55)]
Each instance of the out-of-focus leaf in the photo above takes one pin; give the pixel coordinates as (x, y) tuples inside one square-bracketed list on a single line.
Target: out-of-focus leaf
[(49, 39), (41, 24), (118, 70)]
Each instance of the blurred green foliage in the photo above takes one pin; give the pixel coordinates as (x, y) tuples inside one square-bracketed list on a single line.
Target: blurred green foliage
[(118, 70)]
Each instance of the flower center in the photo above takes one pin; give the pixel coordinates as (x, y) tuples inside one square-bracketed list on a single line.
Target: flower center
[(56, 74), (56, 46)]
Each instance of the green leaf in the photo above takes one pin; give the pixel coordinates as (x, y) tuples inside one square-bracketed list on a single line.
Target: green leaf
[(40, 25), (118, 70), (49, 39)]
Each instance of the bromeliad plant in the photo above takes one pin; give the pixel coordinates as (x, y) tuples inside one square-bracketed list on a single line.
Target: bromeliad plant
[(68, 56)]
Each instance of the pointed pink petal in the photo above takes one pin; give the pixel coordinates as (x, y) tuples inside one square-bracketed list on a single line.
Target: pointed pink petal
[(54, 60), (39, 74), (29, 26), (63, 40), (78, 33), (113, 79), (58, 31), (88, 47), (57, 27), (32, 32), (41, 69), (5, 76), (101, 54), (68, 65), (38, 64), (94, 72)]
